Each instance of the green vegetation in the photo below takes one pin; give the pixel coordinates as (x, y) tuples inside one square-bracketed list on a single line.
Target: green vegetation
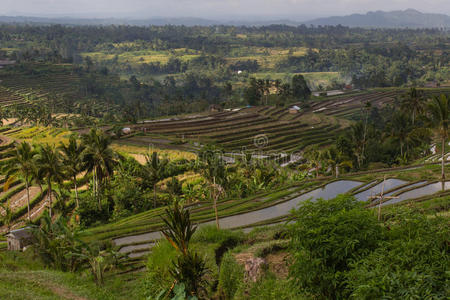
[(224, 162)]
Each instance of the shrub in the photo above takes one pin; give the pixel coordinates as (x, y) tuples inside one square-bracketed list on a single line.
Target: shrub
[(89, 212), (326, 238), (410, 264), (158, 264), (269, 287), (231, 276), (210, 234)]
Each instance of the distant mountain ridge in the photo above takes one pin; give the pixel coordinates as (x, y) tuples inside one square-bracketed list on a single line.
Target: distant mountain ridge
[(379, 19), (410, 18)]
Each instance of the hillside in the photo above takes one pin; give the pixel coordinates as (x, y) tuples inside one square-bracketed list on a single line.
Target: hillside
[(408, 18)]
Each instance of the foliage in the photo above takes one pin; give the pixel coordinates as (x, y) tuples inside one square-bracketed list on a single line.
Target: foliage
[(179, 293), (270, 287), (210, 234), (159, 262), (56, 242), (191, 270), (179, 228), (99, 260), (411, 263), (231, 276), (326, 238)]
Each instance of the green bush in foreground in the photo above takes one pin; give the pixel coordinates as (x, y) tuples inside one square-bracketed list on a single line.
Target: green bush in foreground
[(159, 261), (341, 251), (412, 263), (327, 237), (231, 276), (270, 287)]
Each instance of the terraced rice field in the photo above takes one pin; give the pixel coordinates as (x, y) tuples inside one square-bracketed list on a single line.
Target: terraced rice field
[(271, 128), (271, 208), (38, 87), (16, 193)]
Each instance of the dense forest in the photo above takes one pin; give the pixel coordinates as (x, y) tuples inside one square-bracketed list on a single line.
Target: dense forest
[(174, 69)]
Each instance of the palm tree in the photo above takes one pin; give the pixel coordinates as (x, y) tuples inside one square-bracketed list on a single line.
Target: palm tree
[(413, 102), (50, 167), (99, 158), (367, 107), (7, 217), (22, 165), (335, 159), (401, 127), (439, 109), (155, 169), (72, 160), (313, 155), (356, 136), (214, 171)]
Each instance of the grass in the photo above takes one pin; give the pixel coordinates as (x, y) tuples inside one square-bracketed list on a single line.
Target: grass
[(138, 152), (22, 276), (40, 135), (143, 56)]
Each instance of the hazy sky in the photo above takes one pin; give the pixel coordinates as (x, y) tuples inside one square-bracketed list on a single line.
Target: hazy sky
[(299, 9)]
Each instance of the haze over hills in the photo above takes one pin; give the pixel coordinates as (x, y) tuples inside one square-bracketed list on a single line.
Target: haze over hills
[(379, 19), (408, 18)]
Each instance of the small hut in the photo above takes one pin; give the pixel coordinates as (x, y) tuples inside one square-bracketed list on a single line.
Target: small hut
[(126, 130), (19, 239), (294, 109)]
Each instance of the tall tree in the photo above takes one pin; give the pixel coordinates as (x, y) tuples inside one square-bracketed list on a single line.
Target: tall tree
[(99, 158), (252, 93), (313, 155), (300, 89), (335, 159), (215, 173), (154, 171), (413, 102), (439, 109), (22, 165), (73, 160), (49, 164)]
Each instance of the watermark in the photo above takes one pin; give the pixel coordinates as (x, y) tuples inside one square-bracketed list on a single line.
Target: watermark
[(256, 155), (260, 141)]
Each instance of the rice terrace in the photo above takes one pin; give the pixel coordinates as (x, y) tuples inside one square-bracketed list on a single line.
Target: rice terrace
[(186, 158)]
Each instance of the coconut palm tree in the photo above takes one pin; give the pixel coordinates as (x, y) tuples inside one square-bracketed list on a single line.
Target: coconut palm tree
[(7, 217), (401, 127), (335, 159), (439, 109), (73, 160), (356, 136), (413, 102), (215, 173), (313, 155), (99, 158), (22, 165), (50, 167), (154, 170)]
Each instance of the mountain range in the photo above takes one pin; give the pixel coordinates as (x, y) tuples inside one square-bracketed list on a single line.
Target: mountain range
[(409, 18)]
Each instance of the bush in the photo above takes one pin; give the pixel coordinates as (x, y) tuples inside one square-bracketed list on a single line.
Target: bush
[(210, 234), (327, 236), (158, 265), (231, 276), (410, 264), (269, 287), (89, 212)]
